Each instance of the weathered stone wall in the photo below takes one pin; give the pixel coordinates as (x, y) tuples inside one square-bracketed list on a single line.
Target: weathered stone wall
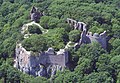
[(35, 14), (45, 58), (22, 58), (77, 25), (38, 65), (89, 38)]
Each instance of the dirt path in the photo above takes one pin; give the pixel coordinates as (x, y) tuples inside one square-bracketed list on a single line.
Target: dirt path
[(31, 23), (25, 28)]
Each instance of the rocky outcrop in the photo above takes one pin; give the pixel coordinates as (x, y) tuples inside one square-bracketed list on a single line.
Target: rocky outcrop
[(44, 64)]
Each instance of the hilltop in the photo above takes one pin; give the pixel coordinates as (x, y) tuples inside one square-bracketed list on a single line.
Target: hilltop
[(89, 63)]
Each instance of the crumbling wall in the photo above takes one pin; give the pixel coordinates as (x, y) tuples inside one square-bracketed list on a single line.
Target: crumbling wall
[(89, 38), (77, 25), (86, 36), (35, 14), (32, 64)]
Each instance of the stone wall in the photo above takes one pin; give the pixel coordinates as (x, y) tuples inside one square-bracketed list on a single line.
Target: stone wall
[(77, 25), (88, 37), (35, 14), (46, 58), (41, 62)]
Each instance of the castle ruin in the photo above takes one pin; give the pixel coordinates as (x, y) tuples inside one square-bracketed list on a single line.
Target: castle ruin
[(86, 36), (47, 63), (35, 14), (76, 25), (31, 63)]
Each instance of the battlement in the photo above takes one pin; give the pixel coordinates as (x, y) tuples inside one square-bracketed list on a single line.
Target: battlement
[(89, 38), (77, 25), (96, 35)]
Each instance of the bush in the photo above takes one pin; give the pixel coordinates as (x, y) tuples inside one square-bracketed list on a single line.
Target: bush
[(34, 29), (35, 43), (74, 35)]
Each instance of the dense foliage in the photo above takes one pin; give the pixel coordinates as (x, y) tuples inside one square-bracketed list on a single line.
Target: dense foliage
[(35, 43), (93, 64), (33, 29), (74, 35)]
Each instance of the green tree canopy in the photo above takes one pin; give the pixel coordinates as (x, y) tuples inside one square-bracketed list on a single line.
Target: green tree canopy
[(74, 35), (34, 29), (35, 43)]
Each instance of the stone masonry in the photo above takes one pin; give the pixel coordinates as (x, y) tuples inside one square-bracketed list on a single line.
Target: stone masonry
[(47, 63), (35, 14), (39, 64), (77, 25), (86, 36)]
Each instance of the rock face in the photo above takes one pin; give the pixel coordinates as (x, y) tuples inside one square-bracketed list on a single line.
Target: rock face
[(35, 14), (44, 64)]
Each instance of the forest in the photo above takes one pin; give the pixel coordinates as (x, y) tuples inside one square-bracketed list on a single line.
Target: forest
[(91, 63)]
